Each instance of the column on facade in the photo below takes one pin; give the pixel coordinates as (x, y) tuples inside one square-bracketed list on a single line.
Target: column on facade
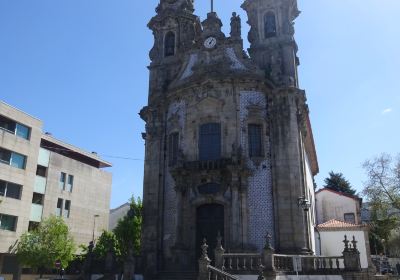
[(179, 214), (235, 215)]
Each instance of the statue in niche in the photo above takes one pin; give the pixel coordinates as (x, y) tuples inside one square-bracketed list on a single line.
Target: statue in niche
[(236, 26)]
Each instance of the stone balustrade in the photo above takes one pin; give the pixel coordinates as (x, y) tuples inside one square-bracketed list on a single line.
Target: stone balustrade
[(268, 263), (241, 262), (217, 274), (308, 264)]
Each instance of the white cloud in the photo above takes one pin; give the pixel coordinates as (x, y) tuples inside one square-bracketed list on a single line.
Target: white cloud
[(387, 111)]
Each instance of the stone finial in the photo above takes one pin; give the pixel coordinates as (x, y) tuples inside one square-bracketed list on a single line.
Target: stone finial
[(268, 239), (204, 249), (346, 243), (261, 272), (354, 242), (219, 241)]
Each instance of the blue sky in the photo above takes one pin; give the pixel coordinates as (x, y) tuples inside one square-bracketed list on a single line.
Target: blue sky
[(80, 66)]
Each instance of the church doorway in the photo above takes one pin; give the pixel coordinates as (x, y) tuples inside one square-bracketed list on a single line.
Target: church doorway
[(209, 221)]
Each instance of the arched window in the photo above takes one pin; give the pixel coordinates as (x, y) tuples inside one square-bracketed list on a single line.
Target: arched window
[(269, 25), (169, 44), (210, 141)]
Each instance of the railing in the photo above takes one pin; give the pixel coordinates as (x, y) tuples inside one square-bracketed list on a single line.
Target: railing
[(241, 262), (290, 263), (217, 274), (208, 164)]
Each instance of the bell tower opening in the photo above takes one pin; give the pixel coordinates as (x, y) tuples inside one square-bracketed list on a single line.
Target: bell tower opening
[(269, 25), (209, 223), (169, 44)]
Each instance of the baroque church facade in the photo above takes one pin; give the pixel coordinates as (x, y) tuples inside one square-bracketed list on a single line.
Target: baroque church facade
[(229, 144)]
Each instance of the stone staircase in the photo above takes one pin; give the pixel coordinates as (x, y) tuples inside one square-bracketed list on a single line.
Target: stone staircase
[(177, 275)]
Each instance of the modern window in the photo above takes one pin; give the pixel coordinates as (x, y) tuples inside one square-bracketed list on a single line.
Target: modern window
[(169, 44), (38, 198), (270, 25), (70, 183), (210, 141), (15, 128), (10, 190), (67, 208), (255, 140), (173, 147), (12, 158), (63, 178), (60, 203), (8, 222), (41, 171), (350, 218)]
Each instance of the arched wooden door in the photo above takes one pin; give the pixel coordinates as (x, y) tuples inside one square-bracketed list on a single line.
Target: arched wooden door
[(209, 221)]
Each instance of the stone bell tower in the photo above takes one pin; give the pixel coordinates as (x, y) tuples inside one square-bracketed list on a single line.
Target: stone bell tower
[(175, 29), (294, 162), (272, 45)]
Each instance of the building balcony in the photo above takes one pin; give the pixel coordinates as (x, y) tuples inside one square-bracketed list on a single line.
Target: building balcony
[(221, 163), (36, 213), (40, 185)]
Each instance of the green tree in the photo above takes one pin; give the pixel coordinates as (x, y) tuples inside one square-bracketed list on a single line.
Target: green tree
[(383, 228), (382, 187), (42, 247), (105, 242), (337, 182), (128, 229)]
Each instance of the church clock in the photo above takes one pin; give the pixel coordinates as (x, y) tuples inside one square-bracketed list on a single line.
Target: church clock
[(210, 42)]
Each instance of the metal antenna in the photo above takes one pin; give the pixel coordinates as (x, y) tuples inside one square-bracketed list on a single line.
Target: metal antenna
[(212, 6)]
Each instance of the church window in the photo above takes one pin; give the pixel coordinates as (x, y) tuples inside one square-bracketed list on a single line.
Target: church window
[(255, 140), (169, 44), (209, 188), (210, 141), (173, 147), (270, 25)]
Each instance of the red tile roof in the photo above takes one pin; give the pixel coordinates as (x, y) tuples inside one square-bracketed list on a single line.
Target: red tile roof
[(355, 197), (336, 224)]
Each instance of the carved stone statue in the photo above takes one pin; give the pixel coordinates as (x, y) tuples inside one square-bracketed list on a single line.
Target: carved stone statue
[(236, 26)]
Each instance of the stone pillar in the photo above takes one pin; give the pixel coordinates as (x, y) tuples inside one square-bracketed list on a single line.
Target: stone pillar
[(179, 216), (351, 255), (204, 262), (268, 256), (235, 210), (287, 108)]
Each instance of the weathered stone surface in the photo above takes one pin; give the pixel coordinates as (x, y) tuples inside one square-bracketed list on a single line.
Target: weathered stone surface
[(210, 79)]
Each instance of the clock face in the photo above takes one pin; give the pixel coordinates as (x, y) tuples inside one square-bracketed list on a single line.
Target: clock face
[(210, 42)]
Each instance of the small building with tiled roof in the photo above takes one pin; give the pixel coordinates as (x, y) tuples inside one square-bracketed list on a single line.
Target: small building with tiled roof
[(330, 236)]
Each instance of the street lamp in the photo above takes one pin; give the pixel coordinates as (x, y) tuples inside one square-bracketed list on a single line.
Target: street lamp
[(94, 225), (304, 203)]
